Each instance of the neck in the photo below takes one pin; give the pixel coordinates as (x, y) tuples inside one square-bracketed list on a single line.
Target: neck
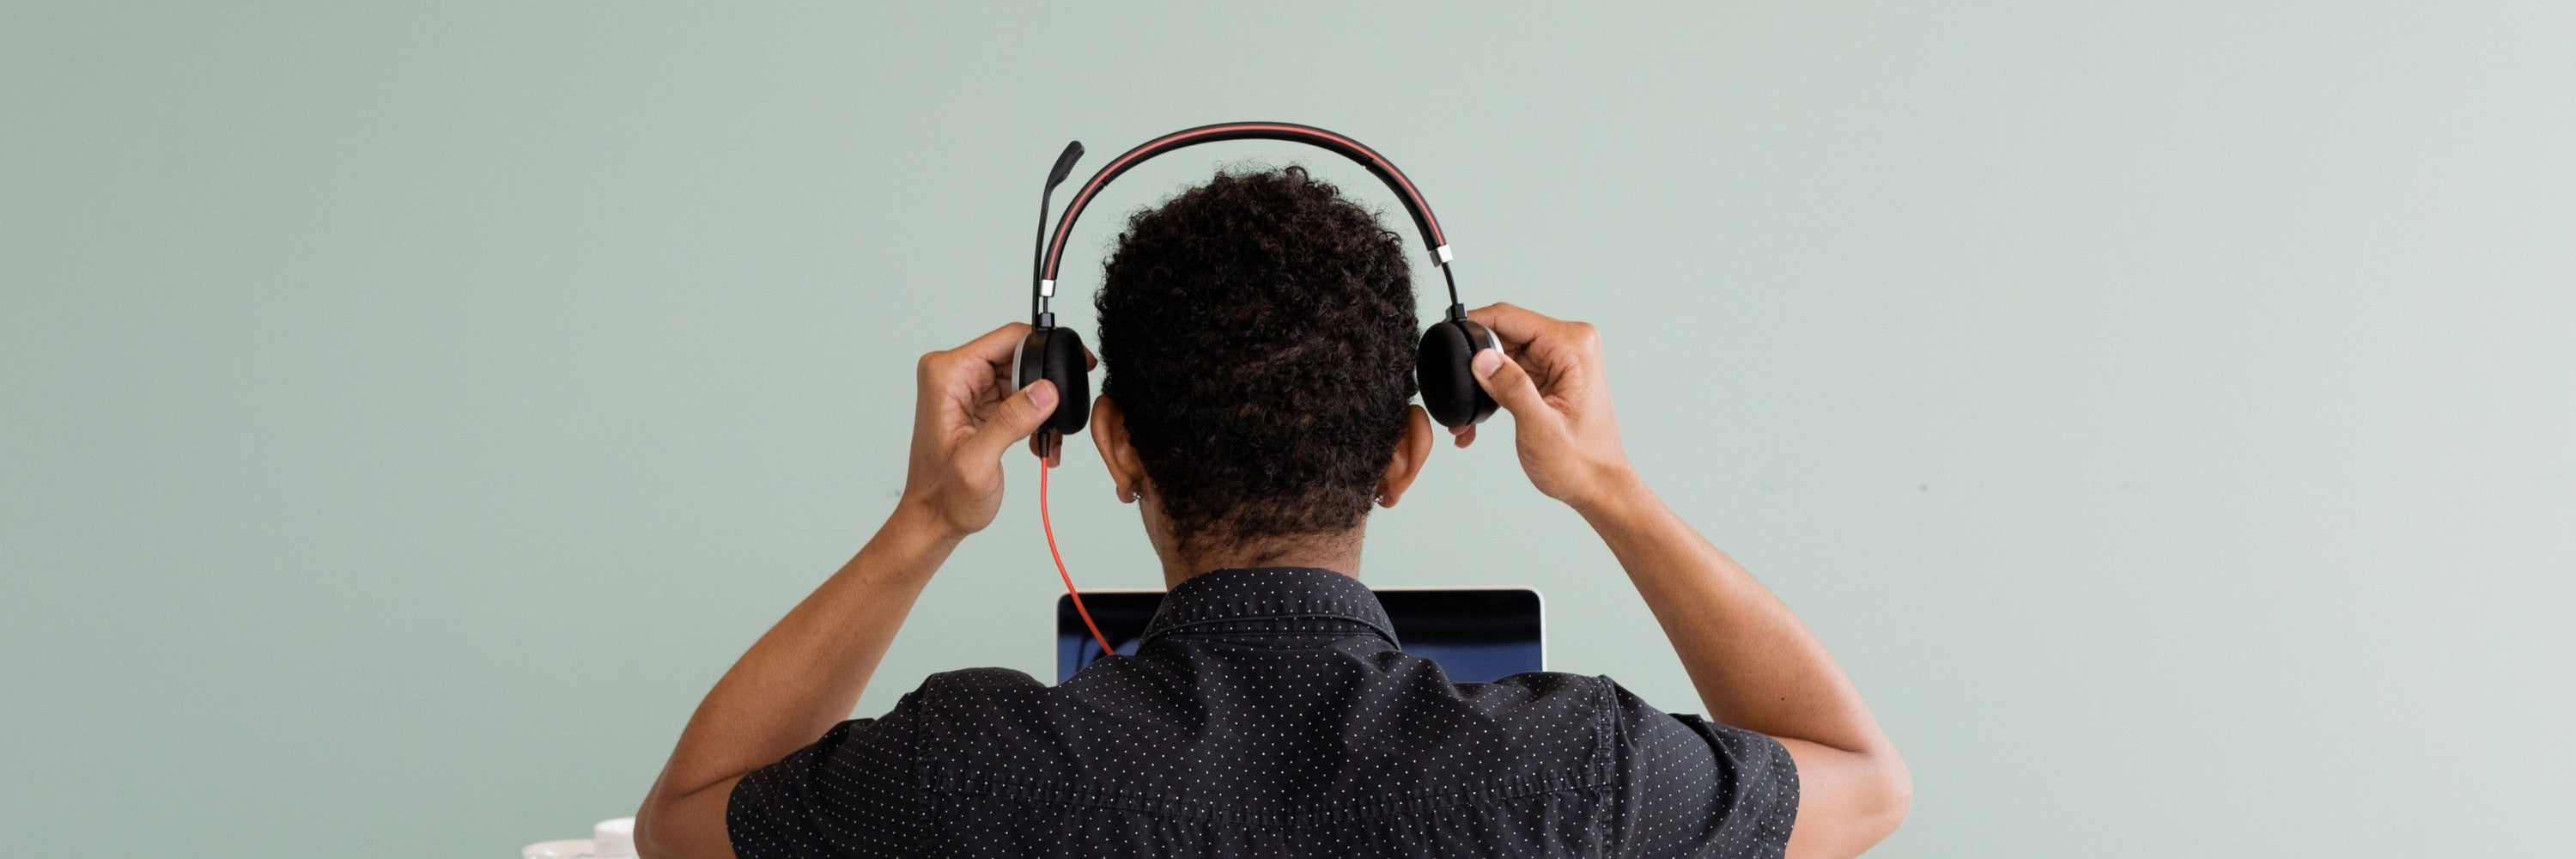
[(1339, 552)]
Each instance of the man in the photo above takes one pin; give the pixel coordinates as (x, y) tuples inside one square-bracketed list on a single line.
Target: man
[(1258, 333)]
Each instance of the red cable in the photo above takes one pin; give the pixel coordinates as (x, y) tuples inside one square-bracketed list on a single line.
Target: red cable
[(1048, 523)]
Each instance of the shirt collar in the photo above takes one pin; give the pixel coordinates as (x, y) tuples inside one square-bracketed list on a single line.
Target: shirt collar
[(1268, 593)]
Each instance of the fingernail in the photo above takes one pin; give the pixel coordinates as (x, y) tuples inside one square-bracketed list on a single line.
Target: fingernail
[(1487, 361), (1042, 393)]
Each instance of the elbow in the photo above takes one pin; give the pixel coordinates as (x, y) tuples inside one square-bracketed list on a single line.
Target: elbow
[(648, 843), (688, 825), (1894, 792), (657, 834)]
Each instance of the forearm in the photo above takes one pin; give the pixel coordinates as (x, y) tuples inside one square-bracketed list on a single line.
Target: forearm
[(1756, 666), (806, 673)]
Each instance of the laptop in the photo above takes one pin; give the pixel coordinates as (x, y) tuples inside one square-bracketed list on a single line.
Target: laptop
[(1478, 635)]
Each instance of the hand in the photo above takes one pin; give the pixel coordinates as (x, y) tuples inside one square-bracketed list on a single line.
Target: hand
[(966, 416), (1550, 376)]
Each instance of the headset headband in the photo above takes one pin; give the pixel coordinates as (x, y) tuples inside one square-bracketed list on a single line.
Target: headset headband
[(1052, 250)]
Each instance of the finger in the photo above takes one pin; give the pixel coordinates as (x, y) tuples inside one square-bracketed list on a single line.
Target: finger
[(1010, 421), (1465, 435), (1089, 361), (976, 374), (1513, 324), (997, 346), (1510, 386)]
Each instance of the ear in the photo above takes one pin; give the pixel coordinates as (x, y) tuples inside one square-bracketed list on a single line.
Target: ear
[(1109, 433), (1410, 452)]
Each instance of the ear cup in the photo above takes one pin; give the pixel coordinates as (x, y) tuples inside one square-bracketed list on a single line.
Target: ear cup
[(1056, 354), (1449, 389)]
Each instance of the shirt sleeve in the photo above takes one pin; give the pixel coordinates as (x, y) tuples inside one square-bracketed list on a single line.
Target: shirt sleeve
[(1691, 787), (851, 793)]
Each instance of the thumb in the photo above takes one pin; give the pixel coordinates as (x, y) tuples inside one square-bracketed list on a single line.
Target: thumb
[(1012, 420), (1510, 386)]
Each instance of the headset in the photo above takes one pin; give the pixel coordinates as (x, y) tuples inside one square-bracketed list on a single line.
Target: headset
[(1449, 346), (1443, 367)]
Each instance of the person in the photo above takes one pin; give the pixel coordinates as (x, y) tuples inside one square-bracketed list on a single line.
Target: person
[(1258, 337)]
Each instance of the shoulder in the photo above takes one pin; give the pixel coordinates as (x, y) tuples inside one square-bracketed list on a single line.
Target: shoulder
[(1556, 683), (1546, 703), (950, 695), (976, 680), (1552, 690)]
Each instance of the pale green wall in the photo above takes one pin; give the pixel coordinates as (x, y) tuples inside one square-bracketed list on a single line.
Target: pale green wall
[(2166, 410)]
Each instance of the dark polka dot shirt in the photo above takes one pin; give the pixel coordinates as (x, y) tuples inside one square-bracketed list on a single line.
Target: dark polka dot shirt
[(1269, 712)]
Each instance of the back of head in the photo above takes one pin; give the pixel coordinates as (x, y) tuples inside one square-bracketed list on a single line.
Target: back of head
[(1257, 333)]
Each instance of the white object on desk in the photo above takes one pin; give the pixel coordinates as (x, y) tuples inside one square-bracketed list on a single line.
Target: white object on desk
[(611, 839)]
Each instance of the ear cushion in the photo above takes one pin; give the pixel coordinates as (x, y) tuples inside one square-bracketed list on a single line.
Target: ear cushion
[(1449, 389)]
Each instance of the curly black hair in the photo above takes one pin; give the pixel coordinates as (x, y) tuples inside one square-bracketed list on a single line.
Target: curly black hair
[(1258, 333)]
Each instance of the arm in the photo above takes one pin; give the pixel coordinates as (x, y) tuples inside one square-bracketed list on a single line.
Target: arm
[(805, 674), (1755, 665)]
